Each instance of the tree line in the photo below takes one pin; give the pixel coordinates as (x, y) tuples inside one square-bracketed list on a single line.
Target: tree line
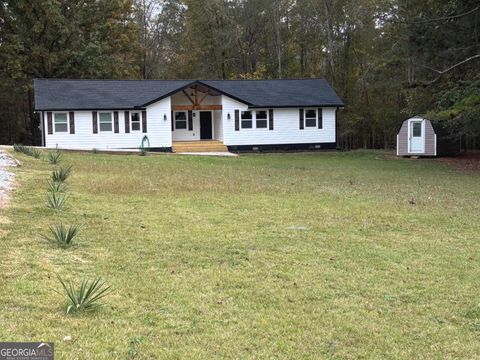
[(387, 59)]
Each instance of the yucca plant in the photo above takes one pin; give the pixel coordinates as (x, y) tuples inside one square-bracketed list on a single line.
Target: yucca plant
[(61, 235), (56, 200), (27, 150), (56, 187), (35, 153), (61, 174), (85, 297), (19, 148), (54, 157)]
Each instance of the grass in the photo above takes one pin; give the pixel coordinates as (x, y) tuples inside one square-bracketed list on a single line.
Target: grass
[(261, 256)]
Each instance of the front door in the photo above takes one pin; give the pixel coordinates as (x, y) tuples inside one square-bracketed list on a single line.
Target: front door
[(205, 125), (417, 139)]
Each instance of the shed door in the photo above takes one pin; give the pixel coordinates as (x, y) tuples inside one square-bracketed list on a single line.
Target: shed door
[(417, 137)]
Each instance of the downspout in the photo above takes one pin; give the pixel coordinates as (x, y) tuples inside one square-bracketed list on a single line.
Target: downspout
[(44, 140)]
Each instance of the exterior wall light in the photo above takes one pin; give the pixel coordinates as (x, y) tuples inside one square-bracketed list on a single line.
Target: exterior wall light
[(228, 116), (164, 117)]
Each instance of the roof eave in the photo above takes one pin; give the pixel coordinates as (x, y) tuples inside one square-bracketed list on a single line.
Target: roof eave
[(296, 106), (91, 109)]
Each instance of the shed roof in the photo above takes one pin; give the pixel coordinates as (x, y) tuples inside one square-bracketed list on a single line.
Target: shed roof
[(63, 94)]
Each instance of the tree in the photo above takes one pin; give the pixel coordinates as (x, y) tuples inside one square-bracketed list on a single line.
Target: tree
[(59, 39)]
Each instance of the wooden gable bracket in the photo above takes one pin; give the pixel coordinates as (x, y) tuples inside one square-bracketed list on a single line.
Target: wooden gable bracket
[(204, 97), (195, 102), (189, 98)]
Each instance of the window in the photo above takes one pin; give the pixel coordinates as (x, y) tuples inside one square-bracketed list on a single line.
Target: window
[(417, 129), (262, 119), (135, 121), (247, 122), (61, 122), (310, 118), (180, 120), (105, 121)]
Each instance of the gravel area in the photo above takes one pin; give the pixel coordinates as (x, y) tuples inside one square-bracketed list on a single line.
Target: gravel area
[(6, 176)]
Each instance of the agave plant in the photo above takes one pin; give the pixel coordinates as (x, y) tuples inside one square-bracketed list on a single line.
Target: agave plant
[(54, 157), (62, 236), (61, 174), (87, 296), (56, 187), (56, 200)]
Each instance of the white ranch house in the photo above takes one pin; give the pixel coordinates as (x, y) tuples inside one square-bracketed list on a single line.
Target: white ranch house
[(187, 114)]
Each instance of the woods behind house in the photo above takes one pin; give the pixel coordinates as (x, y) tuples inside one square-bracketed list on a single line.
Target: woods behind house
[(387, 59)]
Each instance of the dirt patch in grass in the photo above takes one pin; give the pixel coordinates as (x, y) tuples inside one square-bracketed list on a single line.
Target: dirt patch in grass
[(467, 162)]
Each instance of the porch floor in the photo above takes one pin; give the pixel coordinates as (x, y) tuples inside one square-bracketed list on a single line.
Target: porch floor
[(198, 146)]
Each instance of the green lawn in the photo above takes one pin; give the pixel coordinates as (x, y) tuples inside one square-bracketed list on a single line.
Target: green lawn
[(261, 256)]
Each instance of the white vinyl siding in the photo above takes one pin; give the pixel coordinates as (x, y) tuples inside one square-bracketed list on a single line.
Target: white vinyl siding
[(159, 131), (60, 122), (285, 127)]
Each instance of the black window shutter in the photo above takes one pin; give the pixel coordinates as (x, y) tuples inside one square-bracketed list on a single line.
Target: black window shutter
[(49, 123), (237, 120), (127, 122), (270, 119), (190, 120), (144, 121), (172, 121), (94, 122), (301, 122), (320, 118), (115, 122), (71, 118)]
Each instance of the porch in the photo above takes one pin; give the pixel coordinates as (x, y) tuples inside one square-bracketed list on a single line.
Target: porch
[(198, 146), (197, 116)]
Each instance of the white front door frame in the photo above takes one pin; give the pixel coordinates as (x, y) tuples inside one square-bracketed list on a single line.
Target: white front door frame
[(418, 141)]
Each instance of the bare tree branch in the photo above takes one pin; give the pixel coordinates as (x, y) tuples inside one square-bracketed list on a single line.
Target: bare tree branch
[(446, 17), (442, 72)]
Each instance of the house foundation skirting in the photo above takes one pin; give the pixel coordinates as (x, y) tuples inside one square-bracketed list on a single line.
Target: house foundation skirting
[(283, 147), (161, 149)]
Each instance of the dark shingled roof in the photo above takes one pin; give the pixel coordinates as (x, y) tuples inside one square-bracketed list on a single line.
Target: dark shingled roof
[(57, 94)]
